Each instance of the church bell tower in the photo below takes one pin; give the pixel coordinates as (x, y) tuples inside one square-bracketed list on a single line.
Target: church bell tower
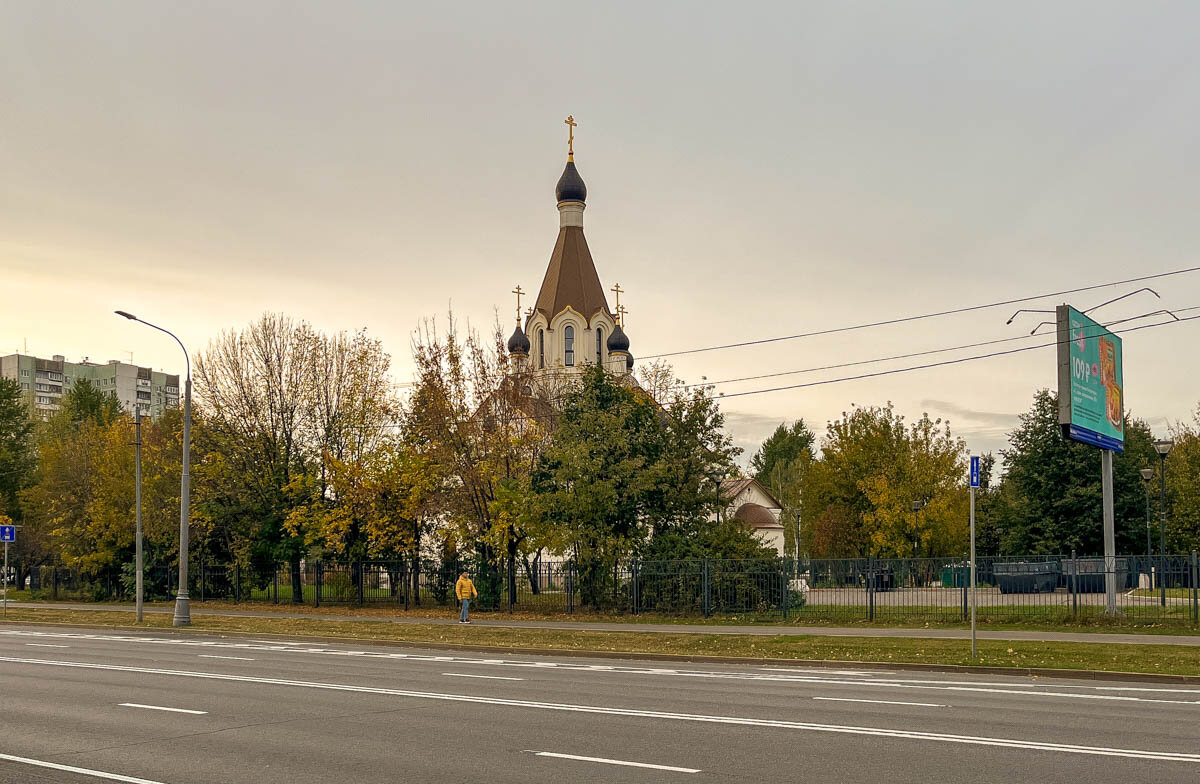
[(570, 325)]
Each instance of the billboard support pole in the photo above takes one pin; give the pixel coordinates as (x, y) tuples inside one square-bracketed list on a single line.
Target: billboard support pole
[(1110, 546)]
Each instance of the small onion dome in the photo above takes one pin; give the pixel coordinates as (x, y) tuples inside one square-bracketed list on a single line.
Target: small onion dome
[(570, 185), (618, 340), (628, 361), (755, 516), (518, 343)]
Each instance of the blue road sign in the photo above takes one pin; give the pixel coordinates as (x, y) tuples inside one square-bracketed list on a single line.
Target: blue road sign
[(8, 533), (974, 471)]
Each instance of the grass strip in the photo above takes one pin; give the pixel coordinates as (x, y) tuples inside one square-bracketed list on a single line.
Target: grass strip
[(1162, 659)]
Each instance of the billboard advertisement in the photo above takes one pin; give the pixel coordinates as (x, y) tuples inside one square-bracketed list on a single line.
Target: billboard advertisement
[(1091, 398)]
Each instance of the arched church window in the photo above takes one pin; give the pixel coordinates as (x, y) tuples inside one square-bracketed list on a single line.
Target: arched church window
[(569, 346), (599, 346), (541, 348)]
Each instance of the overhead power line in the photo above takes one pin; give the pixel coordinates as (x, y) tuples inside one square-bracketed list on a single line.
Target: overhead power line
[(926, 366), (909, 355), (904, 319)]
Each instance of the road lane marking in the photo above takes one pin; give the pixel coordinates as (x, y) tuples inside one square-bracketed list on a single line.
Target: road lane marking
[(883, 702), (488, 677), (881, 732), (607, 761), (99, 774), (45, 645), (213, 656), (160, 708), (1107, 693)]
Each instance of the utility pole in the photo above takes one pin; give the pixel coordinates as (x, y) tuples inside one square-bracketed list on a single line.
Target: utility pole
[(137, 473)]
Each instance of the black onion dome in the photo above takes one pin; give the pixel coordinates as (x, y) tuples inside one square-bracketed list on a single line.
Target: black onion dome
[(518, 343), (618, 341), (629, 361), (570, 185)]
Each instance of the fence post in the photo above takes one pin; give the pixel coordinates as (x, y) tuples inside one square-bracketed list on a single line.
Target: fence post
[(870, 587), (783, 585), (316, 585), (275, 581), (570, 587), (202, 581), (966, 580), (1073, 586), (1195, 589), (706, 607), (360, 583), (55, 579), (237, 583), (633, 588)]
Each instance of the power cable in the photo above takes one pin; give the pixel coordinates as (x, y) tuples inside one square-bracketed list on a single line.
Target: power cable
[(909, 355), (905, 319), (956, 361)]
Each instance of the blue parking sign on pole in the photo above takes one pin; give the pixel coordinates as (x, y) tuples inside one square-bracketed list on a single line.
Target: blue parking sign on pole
[(8, 533), (974, 471)]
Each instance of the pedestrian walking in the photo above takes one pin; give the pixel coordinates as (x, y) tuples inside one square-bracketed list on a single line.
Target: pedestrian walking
[(464, 589)]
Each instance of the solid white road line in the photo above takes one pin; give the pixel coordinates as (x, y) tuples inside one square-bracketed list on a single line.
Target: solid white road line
[(625, 763), (882, 732), (883, 702), (1025, 688), (236, 658), (99, 774), (160, 708), (45, 645), (487, 677)]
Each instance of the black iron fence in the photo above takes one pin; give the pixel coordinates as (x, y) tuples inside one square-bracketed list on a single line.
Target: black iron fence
[(1009, 589)]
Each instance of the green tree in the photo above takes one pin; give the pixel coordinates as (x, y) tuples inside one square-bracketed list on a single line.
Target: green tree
[(16, 447), (85, 401), (785, 445), (1183, 489), (1051, 501), (857, 498)]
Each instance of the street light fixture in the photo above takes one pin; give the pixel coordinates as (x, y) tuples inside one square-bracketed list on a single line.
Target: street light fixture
[(1147, 478), (1163, 447), (183, 611)]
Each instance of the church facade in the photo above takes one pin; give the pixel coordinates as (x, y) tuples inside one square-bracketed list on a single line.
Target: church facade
[(570, 325)]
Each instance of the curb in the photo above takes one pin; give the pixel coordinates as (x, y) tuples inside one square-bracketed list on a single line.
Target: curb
[(1022, 672)]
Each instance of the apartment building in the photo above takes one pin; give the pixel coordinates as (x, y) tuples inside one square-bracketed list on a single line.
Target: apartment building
[(45, 381)]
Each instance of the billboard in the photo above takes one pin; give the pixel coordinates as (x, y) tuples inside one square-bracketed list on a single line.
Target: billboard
[(1091, 399)]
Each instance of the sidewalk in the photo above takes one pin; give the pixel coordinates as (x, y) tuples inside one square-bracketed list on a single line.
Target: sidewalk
[(663, 628)]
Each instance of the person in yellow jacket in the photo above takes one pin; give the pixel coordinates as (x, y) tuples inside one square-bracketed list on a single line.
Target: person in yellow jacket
[(464, 589)]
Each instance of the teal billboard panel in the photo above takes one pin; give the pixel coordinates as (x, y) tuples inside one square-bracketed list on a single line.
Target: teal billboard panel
[(1091, 397)]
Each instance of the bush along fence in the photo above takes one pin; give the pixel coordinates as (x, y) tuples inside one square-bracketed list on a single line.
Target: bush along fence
[(1010, 589)]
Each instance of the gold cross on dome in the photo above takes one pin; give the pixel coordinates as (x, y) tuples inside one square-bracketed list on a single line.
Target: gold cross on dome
[(518, 291), (621, 312), (570, 122), (616, 289)]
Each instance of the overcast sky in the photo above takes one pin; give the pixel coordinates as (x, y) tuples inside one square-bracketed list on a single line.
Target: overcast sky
[(753, 169)]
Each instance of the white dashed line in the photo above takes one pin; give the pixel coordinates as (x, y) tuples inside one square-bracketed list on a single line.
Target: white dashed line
[(624, 763), (160, 708)]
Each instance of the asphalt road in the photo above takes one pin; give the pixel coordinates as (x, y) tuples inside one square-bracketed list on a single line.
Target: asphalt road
[(81, 706)]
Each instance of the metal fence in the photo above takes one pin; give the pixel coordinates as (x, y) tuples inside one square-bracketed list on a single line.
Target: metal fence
[(1010, 589)]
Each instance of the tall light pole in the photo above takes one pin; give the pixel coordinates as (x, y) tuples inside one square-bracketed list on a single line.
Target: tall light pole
[(1147, 478), (917, 506), (183, 610), (1163, 447)]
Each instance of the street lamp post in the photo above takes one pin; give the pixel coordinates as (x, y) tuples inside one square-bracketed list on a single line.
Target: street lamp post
[(1163, 447), (1147, 477), (183, 611), (917, 506)]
